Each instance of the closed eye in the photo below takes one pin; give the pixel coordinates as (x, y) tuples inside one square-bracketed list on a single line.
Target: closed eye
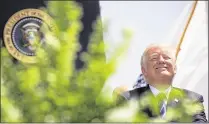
[(167, 57), (154, 59)]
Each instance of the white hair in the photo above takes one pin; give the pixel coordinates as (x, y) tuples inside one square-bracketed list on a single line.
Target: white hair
[(162, 45)]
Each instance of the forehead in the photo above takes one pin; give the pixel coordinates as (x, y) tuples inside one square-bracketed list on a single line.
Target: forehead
[(159, 50)]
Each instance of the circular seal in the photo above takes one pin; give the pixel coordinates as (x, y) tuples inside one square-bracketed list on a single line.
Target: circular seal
[(22, 33)]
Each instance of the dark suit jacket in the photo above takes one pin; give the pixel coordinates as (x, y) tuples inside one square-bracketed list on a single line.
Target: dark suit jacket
[(178, 98)]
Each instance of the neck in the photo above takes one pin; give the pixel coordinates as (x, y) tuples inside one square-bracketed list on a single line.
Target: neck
[(160, 86), (160, 83)]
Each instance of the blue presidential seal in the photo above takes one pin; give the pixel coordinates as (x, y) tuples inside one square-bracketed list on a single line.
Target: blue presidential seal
[(23, 34)]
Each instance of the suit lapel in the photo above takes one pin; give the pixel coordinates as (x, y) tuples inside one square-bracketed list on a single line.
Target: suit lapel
[(174, 100), (151, 109), (175, 97), (173, 103)]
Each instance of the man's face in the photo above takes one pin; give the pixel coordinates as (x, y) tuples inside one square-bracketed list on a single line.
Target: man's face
[(159, 65)]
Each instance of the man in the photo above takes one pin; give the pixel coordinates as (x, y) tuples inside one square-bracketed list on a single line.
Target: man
[(158, 67)]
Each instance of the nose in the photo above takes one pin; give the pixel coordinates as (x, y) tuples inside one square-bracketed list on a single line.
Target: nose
[(161, 60)]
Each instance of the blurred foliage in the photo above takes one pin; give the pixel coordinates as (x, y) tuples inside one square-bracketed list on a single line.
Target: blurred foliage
[(52, 90)]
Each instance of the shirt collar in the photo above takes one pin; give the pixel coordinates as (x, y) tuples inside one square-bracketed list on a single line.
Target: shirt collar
[(156, 91)]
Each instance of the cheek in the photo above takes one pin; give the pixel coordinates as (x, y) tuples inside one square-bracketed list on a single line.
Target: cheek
[(146, 70), (151, 64), (171, 65), (151, 71)]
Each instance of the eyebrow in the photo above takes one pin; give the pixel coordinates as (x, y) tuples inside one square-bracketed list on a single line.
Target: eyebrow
[(157, 54), (154, 54)]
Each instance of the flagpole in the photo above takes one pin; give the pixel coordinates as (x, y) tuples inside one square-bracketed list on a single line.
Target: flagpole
[(185, 28)]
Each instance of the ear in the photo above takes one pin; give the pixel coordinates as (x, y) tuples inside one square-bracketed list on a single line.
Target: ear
[(144, 71), (175, 68)]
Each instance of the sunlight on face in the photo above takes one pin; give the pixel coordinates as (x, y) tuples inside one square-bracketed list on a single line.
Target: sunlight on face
[(159, 64)]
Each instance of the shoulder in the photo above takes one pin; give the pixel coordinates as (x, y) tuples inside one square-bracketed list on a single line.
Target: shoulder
[(190, 94), (135, 93)]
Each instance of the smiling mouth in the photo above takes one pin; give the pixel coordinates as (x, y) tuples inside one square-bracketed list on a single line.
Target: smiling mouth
[(161, 68)]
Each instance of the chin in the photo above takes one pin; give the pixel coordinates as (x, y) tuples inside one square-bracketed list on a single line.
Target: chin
[(165, 75)]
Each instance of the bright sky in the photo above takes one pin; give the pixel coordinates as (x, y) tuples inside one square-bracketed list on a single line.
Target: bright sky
[(151, 21)]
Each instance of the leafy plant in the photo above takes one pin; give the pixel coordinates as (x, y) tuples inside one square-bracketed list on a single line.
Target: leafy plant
[(52, 90)]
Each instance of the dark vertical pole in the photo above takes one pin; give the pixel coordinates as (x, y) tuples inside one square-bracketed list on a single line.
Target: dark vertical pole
[(91, 12)]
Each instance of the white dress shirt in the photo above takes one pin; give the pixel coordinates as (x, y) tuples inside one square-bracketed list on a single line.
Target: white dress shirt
[(156, 92)]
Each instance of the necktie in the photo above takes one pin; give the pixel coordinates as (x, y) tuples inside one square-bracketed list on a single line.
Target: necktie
[(161, 98)]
